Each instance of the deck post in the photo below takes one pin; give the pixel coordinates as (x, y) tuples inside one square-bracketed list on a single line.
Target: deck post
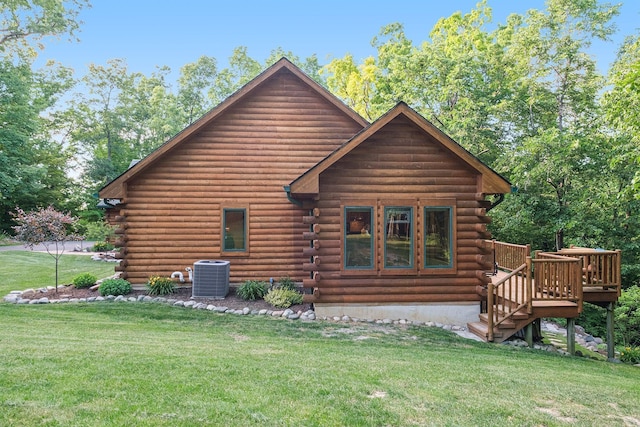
[(571, 336), (529, 286), (528, 333), (611, 354)]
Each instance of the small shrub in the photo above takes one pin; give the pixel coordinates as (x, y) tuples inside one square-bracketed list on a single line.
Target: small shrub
[(84, 280), (287, 283), (114, 287), (283, 298), (102, 247), (252, 290), (630, 355), (158, 285)]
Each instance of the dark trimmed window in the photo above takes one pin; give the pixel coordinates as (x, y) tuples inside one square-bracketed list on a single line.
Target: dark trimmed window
[(358, 238), (438, 237), (398, 237), (234, 230)]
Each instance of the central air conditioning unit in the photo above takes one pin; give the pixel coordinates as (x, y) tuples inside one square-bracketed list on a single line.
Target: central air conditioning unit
[(210, 279)]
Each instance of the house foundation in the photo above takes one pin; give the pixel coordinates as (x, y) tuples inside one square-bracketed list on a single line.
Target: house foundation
[(446, 313)]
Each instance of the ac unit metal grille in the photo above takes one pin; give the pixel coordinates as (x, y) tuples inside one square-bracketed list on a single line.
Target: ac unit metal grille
[(210, 279)]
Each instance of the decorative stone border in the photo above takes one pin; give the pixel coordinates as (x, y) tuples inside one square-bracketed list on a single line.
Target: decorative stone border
[(15, 297)]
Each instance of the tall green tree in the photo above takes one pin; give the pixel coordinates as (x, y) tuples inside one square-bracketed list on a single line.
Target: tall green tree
[(24, 23), (621, 104), (32, 160), (558, 148)]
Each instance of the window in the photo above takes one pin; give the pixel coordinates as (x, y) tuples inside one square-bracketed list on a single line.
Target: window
[(358, 238), (438, 237), (398, 237), (234, 230)]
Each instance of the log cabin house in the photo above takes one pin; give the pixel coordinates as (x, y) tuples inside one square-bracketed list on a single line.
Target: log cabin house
[(380, 220)]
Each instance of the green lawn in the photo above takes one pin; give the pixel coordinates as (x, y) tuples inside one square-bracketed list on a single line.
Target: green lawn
[(21, 270), (148, 364)]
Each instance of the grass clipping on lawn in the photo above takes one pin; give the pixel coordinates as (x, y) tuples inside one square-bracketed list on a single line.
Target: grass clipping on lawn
[(150, 364)]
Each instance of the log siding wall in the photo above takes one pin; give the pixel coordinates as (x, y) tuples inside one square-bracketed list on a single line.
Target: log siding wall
[(172, 212), (400, 165)]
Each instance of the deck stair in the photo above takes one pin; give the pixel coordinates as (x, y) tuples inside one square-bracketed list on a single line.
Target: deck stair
[(563, 281), (509, 323), (515, 299)]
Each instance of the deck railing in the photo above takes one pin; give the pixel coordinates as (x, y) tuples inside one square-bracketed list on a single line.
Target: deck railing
[(509, 256), (557, 278), (599, 268)]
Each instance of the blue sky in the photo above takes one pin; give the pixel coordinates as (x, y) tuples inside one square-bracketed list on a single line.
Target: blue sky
[(149, 33)]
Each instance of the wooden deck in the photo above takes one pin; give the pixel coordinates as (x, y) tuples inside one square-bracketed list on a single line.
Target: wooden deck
[(563, 281)]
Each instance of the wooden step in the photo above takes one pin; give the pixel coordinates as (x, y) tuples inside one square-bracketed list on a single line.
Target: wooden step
[(481, 330), (505, 324)]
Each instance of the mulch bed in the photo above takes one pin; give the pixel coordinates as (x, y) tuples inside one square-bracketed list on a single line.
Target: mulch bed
[(184, 293)]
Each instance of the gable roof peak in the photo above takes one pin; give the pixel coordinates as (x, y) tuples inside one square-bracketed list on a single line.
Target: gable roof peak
[(115, 189)]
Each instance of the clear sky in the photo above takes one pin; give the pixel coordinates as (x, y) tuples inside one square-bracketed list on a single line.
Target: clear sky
[(150, 33)]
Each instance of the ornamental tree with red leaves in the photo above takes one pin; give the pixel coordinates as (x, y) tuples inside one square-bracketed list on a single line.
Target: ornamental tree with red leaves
[(47, 227)]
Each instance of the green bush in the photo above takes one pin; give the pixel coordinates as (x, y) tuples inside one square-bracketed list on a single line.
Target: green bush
[(627, 317), (102, 247), (252, 290), (158, 285), (114, 287), (283, 298), (630, 275), (99, 230), (630, 355), (84, 280), (287, 283)]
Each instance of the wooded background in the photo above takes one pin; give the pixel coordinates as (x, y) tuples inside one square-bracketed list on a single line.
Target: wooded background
[(525, 97)]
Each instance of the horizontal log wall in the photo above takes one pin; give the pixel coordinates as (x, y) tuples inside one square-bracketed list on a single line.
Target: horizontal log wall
[(400, 162), (173, 213)]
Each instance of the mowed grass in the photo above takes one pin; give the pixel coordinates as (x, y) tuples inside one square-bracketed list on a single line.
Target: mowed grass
[(113, 364), (20, 270)]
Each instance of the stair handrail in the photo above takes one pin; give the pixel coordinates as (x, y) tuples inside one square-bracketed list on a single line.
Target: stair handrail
[(519, 284)]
